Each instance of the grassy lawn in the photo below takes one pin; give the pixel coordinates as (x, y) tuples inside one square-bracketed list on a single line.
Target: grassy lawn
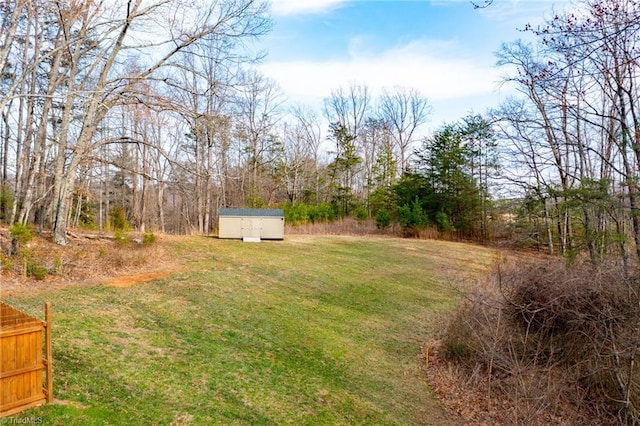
[(310, 330)]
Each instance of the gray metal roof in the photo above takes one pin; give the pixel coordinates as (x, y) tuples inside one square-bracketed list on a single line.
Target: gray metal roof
[(251, 212)]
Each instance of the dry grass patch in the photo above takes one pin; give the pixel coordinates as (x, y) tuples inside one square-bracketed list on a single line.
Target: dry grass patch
[(83, 261)]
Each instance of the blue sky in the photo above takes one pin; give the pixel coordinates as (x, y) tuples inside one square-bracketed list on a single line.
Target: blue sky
[(442, 48)]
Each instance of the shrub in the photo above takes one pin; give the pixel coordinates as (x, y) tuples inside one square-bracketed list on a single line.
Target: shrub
[(118, 219), (443, 222), (404, 216), (36, 270), (361, 213), (6, 200), (412, 217), (323, 212), (58, 265), (457, 351), (255, 199), (295, 213), (120, 237), (553, 339), (87, 217), (20, 234), (383, 219), (148, 239), (6, 263), (381, 199)]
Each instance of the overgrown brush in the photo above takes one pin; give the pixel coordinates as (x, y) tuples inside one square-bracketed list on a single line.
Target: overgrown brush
[(128, 251), (345, 226), (559, 343)]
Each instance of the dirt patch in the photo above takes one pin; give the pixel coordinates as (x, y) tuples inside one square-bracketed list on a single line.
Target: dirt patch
[(135, 279), (66, 402)]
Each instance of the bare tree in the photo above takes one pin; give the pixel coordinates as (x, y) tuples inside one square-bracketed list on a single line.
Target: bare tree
[(348, 107), (580, 86), (404, 110), (309, 129), (297, 166), (99, 40), (259, 102)]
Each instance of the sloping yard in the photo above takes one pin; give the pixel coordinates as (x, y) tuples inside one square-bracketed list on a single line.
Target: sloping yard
[(310, 330)]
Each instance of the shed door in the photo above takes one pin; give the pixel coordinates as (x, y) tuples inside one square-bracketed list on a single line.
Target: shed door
[(251, 227)]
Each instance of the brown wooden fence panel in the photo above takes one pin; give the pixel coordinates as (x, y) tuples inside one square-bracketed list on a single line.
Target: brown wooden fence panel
[(21, 361)]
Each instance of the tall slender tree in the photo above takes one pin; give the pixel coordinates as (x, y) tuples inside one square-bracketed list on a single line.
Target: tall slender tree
[(404, 111)]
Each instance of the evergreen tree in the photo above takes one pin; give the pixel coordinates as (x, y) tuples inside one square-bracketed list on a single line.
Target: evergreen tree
[(343, 169), (454, 199)]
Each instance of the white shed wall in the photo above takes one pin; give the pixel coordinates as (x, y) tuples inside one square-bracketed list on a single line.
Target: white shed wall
[(251, 227), (230, 227)]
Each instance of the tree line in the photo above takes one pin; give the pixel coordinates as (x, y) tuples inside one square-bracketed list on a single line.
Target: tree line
[(573, 134), (97, 95), (154, 112)]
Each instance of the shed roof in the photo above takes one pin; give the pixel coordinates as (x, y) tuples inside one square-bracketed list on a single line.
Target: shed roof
[(251, 212)]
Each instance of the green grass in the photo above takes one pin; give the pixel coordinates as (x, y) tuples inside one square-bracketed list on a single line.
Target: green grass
[(310, 330)]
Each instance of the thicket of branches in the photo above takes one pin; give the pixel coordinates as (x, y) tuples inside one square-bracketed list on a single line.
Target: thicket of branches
[(558, 344)]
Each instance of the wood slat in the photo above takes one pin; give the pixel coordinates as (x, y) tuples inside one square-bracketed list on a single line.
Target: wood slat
[(21, 405), (28, 328), (8, 345), (22, 362), (37, 367)]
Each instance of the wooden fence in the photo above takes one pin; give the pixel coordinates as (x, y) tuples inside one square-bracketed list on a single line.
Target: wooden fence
[(25, 374)]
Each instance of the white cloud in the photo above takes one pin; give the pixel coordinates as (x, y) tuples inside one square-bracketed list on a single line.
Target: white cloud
[(419, 65), (294, 7)]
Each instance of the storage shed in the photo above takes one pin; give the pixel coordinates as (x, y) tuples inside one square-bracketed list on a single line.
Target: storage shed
[(251, 224)]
